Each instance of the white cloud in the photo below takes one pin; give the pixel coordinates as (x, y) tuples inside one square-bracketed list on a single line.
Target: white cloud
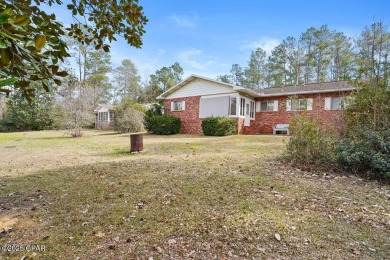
[(184, 21), (161, 51), (189, 57), (266, 43)]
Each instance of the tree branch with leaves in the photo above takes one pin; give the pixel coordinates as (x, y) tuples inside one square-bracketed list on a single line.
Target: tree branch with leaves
[(31, 42)]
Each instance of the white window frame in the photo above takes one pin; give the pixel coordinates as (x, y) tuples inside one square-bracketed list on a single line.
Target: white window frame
[(242, 107), (112, 116), (183, 105), (274, 106), (304, 104), (103, 116), (344, 103), (252, 109), (230, 106)]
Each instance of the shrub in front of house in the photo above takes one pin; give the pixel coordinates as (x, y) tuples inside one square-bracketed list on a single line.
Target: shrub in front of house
[(164, 124), (366, 150), (219, 126), (154, 110), (310, 146)]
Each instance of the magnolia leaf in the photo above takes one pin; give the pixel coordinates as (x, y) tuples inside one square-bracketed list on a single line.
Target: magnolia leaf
[(62, 74), (3, 44), (54, 69), (4, 18), (44, 23), (40, 42), (6, 82), (57, 81), (6, 56), (8, 11), (22, 20)]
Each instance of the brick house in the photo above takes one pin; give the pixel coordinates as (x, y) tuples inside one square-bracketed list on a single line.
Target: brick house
[(104, 117), (257, 111)]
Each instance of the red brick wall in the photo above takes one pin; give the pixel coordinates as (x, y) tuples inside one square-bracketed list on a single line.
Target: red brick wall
[(190, 121), (240, 126), (265, 121)]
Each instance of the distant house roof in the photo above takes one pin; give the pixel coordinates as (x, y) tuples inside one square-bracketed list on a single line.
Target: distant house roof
[(324, 87), (108, 107)]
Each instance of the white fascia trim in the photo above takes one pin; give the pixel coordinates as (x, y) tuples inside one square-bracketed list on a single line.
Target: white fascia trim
[(230, 94), (304, 92)]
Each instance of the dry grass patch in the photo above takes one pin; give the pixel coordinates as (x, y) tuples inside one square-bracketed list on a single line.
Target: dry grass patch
[(184, 197)]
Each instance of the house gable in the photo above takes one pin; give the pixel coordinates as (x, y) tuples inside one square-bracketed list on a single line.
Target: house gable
[(102, 109), (200, 87)]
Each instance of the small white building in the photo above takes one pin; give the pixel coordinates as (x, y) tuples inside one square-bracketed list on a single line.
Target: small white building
[(104, 117)]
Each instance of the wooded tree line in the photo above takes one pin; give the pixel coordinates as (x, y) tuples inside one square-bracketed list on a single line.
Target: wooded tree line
[(92, 80), (318, 55)]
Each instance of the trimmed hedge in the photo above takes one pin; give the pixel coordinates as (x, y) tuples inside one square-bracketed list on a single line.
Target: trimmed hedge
[(164, 125), (219, 126)]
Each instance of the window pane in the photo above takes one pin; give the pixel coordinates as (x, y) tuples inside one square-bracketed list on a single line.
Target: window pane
[(233, 106), (177, 105), (295, 104), (263, 106), (270, 106), (303, 104), (242, 107), (335, 103)]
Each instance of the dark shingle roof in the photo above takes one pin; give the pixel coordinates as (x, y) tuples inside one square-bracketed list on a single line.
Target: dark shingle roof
[(324, 87)]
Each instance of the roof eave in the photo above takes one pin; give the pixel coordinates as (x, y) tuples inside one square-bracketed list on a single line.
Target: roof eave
[(305, 92)]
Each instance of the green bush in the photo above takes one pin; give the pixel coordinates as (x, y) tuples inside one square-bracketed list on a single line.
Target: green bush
[(155, 110), (164, 124), (366, 150), (219, 126), (310, 146)]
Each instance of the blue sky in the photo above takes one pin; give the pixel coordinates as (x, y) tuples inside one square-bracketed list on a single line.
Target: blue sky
[(207, 36)]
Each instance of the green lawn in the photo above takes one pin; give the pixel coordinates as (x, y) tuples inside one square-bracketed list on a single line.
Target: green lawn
[(185, 196)]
